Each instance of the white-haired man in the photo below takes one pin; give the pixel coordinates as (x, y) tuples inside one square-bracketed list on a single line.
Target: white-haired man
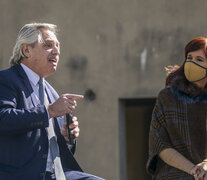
[(33, 135)]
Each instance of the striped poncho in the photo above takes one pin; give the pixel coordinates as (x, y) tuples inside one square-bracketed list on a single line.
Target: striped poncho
[(179, 122)]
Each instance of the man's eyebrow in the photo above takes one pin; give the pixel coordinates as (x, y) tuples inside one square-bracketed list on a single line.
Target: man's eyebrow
[(51, 40)]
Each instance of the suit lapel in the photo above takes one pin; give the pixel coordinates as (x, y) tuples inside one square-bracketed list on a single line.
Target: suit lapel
[(26, 81)]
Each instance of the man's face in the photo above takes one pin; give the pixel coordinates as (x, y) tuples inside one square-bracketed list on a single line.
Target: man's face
[(43, 57)]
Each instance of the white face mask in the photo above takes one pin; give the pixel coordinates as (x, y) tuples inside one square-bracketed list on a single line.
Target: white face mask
[(194, 72)]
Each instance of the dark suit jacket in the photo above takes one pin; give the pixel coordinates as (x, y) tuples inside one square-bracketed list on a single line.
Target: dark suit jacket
[(23, 138)]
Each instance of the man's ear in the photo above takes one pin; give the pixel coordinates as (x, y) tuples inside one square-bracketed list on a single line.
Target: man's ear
[(26, 50)]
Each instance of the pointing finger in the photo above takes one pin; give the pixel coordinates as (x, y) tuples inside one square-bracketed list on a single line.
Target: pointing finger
[(74, 96)]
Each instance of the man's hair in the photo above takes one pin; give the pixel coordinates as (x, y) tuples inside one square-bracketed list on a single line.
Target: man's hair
[(29, 34)]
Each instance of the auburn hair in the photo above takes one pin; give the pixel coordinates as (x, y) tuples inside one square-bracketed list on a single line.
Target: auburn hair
[(178, 77)]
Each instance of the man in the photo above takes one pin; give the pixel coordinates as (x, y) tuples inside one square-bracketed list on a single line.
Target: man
[(33, 135)]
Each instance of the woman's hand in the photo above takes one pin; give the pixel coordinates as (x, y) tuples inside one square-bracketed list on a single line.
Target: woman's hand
[(199, 171)]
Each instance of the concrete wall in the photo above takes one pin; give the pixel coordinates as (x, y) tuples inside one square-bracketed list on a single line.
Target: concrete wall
[(110, 49)]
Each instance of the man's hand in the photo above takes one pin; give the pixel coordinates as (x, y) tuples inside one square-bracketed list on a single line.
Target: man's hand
[(65, 104), (75, 129)]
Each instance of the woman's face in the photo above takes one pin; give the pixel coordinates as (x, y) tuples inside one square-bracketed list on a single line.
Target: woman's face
[(198, 57)]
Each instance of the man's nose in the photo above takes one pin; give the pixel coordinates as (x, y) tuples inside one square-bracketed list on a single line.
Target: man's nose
[(56, 50)]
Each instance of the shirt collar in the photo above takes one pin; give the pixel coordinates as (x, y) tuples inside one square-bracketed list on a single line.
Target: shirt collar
[(33, 77)]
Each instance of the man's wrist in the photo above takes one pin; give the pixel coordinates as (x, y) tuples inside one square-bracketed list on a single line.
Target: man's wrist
[(50, 111)]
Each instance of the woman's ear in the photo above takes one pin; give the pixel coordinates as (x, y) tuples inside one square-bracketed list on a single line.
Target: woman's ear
[(26, 50)]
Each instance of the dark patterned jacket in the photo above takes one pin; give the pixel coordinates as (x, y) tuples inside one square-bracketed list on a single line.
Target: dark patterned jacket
[(179, 122)]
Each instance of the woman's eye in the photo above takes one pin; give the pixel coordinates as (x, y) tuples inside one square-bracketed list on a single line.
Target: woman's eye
[(200, 60)]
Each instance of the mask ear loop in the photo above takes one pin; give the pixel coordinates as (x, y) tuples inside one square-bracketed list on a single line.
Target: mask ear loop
[(206, 73), (196, 64)]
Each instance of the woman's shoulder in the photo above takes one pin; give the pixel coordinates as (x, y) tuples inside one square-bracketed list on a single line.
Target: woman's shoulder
[(166, 94), (166, 98)]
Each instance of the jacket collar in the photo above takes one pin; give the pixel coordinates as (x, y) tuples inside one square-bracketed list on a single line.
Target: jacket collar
[(183, 96)]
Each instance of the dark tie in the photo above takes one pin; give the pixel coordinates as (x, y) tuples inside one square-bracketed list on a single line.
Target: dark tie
[(52, 138)]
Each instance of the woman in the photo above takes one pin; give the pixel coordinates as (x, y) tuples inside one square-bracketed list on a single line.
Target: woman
[(178, 132)]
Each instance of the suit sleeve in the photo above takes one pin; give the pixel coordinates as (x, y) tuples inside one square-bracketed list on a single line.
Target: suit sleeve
[(15, 120)]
